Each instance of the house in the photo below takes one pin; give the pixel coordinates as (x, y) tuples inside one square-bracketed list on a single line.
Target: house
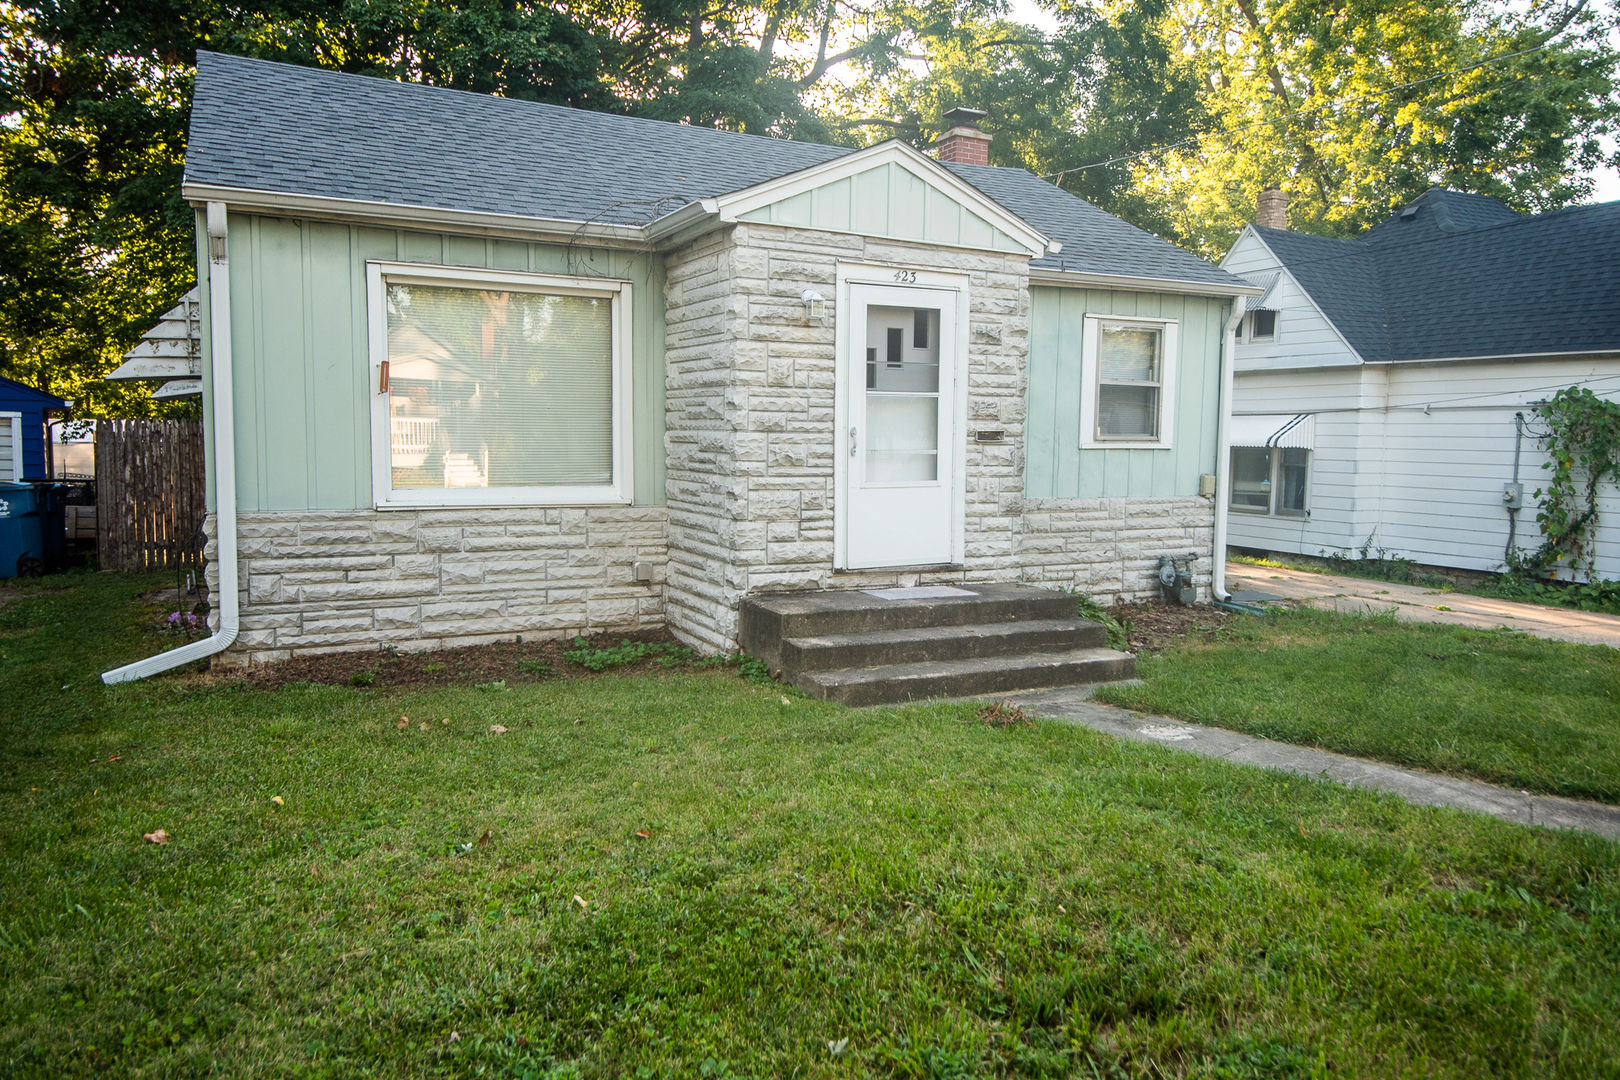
[(1383, 385), (478, 368), (22, 430)]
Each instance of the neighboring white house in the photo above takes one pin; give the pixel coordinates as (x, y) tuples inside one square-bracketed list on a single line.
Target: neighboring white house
[(1379, 382)]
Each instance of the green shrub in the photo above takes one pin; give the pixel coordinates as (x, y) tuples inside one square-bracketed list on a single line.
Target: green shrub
[(1118, 631)]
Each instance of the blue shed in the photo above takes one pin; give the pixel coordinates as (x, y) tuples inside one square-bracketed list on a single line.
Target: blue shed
[(22, 430)]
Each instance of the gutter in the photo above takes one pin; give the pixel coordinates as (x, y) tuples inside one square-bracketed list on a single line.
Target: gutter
[(1040, 275), (516, 226), (1223, 459), (219, 338)]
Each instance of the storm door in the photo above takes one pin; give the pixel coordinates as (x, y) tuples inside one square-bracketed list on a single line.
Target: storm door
[(901, 358)]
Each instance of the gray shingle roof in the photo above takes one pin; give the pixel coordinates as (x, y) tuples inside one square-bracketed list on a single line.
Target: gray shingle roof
[(1466, 276), (1094, 241), (296, 130)]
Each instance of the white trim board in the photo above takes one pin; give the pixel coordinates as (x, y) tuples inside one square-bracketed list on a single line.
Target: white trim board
[(384, 497), (16, 446), (1169, 359)]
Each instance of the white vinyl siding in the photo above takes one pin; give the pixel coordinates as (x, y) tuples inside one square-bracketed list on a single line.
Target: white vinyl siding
[(1303, 337), (1427, 487), (10, 446)]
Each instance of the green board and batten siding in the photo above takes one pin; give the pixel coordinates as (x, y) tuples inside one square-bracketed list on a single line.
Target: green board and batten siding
[(887, 201), (302, 367), (1056, 467)]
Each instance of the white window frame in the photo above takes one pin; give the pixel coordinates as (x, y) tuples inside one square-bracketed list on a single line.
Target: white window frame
[(1091, 376), (385, 497), (1274, 465), (16, 447), (1269, 339)]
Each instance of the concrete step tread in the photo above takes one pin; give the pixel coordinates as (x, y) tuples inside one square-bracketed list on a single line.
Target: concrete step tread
[(964, 678), (1014, 628), (856, 600), (931, 669)]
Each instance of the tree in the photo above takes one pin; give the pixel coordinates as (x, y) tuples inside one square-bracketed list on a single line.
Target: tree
[(95, 240), (1357, 107)]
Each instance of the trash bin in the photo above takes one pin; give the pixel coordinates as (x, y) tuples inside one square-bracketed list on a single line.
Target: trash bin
[(21, 552), (50, 499)]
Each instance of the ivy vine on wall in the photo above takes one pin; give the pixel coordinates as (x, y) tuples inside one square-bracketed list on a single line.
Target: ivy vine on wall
[(1582, 441)]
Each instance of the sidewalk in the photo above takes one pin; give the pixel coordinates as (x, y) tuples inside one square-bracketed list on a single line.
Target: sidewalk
[(1423, 789), (1258, 583)]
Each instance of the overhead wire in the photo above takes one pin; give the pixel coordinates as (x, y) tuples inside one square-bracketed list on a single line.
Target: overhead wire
[(1338, 103)]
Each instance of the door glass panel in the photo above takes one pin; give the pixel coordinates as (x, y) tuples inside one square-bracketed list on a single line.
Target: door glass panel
[(902, 440), (902, 395)]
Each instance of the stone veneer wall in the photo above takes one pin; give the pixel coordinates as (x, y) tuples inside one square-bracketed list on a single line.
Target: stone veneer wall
[(1109, 548), (749, 422), (326, 581)]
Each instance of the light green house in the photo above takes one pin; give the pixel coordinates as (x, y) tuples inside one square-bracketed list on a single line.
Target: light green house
[(481, 367)]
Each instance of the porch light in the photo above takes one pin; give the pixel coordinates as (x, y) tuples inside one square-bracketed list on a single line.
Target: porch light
[(815, 305)]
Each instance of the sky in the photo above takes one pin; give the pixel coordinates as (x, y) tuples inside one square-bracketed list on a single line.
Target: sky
[(1032, 14)]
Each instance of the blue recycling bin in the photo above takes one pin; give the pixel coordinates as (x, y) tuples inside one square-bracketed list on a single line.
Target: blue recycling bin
[(21, 552)]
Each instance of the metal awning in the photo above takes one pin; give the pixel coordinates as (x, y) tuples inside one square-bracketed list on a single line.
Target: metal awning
[(1294, 430), (1271, 299)]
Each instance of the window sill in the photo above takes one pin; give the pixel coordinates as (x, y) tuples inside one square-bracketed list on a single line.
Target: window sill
[(434, 499), (1125, 444)]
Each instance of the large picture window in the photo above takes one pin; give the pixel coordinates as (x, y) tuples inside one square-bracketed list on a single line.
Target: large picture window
[(494, 389), (1127, 390)]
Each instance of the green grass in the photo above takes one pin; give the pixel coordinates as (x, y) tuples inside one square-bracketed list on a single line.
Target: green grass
[(1537, 715), (951, 899)]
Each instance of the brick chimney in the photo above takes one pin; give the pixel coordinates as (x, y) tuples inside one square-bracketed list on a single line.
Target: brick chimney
[(963, 142), (1271, 208)]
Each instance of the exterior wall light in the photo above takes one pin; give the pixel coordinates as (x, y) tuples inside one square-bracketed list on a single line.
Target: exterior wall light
[(815, 305)]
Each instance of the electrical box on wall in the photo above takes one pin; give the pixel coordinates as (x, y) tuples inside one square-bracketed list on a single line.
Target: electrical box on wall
[(1206, 485), (642, 572), (1513, 495)]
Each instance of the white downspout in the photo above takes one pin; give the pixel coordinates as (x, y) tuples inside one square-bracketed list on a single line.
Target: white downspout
[(219, 340), (1223, 452)]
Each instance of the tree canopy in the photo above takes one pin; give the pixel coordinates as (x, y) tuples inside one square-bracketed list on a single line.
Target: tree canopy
[(1171, 113)]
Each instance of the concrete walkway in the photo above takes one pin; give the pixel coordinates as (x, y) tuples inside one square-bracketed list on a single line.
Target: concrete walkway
[(1423, 789), (1559, 624)]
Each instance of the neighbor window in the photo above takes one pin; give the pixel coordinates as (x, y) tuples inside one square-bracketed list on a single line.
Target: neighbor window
[(1126, 394), (1270, 480), (497, 389), (1262, 326)]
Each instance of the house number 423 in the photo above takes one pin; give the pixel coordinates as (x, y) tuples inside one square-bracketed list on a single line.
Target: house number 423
[(908, 277)]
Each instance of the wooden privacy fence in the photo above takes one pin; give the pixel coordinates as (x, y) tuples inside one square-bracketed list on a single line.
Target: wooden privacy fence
[(149, 493)]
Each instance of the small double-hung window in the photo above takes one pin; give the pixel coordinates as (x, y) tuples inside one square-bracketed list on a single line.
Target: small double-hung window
[(1126, 397), (494, 389)]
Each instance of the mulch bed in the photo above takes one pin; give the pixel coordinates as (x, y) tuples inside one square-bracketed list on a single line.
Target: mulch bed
[(1154, 627), (511, 662)]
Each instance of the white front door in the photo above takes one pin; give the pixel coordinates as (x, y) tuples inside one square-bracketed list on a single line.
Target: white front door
[(899, 444)]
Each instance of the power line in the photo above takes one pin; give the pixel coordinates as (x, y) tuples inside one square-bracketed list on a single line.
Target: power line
[(1302, 112)]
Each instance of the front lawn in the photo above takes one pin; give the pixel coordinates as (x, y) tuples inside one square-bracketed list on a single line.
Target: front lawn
[(1495, 705), (687, 874)]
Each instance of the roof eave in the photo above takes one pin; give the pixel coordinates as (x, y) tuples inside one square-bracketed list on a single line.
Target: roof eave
[(687, 223), (1039, 275), (515, 226)]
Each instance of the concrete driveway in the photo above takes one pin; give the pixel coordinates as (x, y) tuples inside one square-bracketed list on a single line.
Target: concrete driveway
[(1256, 583)]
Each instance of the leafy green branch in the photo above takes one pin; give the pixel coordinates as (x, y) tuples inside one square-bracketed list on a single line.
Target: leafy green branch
[(1582, 442)]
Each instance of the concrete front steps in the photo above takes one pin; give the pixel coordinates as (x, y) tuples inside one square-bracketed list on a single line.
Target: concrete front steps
[(880, 647)]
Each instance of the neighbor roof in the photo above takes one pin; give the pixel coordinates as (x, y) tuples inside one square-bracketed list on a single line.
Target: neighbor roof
[(263, 126), (12, 392), (1458, 275)]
